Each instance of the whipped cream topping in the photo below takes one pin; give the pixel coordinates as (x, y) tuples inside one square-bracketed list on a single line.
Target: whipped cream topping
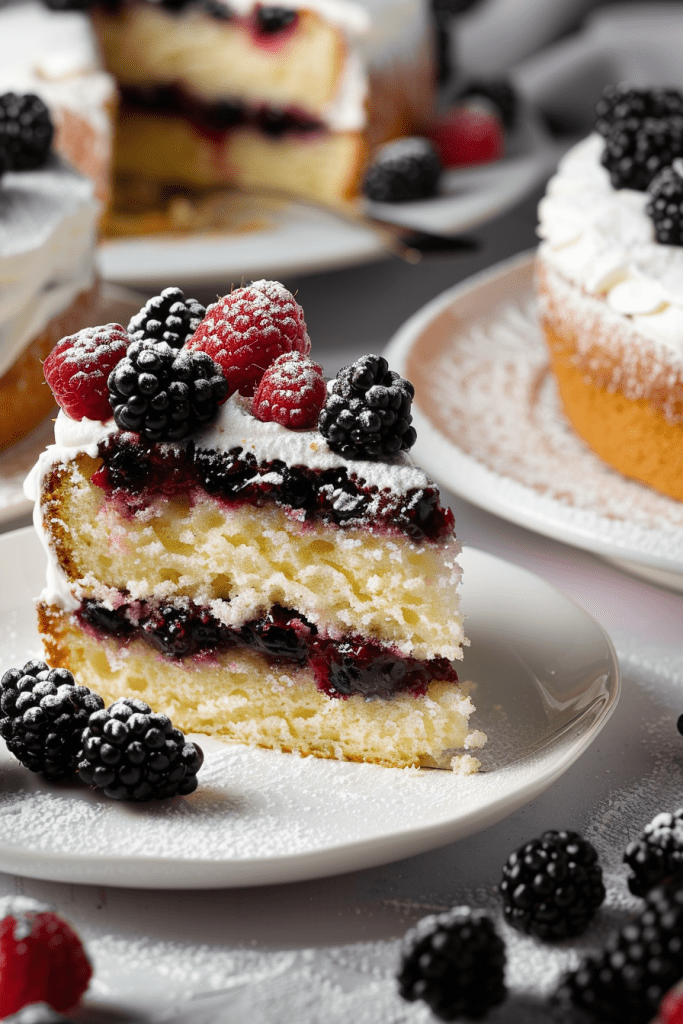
[(602, 240), (234, 427), (48, 230), (54, 54)]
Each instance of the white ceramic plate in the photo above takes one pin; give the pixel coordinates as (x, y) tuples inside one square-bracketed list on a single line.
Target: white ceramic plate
[(491, 429), (117, 306), (295, 238), (547, 681)]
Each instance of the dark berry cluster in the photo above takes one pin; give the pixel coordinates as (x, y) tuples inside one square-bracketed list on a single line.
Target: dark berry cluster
[(665, 206), (623, 102), (656, 856), (168, 317), (625, 983), (26, 132), (454, 962), (134, 754), (43, 714), (637, 150), (367, 412), (165, 394), (404, 170), (552, 886), (497, 91)]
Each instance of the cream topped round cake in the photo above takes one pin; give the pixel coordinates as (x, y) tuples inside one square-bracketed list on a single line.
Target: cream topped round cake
[(48, 228), (610, 284), (245, 547)]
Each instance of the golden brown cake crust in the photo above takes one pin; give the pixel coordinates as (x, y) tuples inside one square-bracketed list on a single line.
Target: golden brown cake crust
[(25, 398)]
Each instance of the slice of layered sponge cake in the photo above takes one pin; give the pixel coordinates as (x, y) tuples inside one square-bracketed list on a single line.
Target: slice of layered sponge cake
[(250, 580)]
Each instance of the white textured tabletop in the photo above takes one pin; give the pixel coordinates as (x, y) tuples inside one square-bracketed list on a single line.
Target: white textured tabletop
[(326, 950)]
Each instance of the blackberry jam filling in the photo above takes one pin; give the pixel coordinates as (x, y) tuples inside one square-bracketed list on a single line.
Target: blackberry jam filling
[(135, 471), (341, 668)]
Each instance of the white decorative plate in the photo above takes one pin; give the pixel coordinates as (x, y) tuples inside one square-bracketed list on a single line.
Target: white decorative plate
[(491, 429), (547, 681), (117, 306), (293, 238)]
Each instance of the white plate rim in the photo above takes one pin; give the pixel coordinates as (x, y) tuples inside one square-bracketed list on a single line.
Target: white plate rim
[(470, 479), (140, 872)]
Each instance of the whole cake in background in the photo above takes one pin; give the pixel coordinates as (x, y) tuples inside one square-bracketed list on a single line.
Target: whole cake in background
[(48, 227), (610, 284), (245, 547)]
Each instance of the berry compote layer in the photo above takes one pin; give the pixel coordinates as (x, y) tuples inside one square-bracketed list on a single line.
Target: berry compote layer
[(341, 667)]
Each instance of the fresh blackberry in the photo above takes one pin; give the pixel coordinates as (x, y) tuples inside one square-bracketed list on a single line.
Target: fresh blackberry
[(164, 394), (552, 886), (42, 715), (636, 151), (403, 170), (168, 317), (274, 19), (665, 206), (625, 983), (656, 856), (455, 962), (623, 102), (367, 412), (133, 754), (26, 131), (499, 92)]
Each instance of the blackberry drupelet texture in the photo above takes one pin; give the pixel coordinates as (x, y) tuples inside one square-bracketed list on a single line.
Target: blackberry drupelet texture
[(133, 754), (665, 207), (403, 170), (42, 716), (26, 131), (552, 886), (656, 856), (636, 151), (622, 102), (455, 962), (168, 317)]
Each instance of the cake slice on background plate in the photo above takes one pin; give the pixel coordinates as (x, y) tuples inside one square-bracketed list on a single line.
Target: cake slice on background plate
[(248, 549)]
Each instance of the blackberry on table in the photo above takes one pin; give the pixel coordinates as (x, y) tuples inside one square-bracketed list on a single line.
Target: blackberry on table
[(164, 394), (656, 856), (636, 151), (623, 102), (367, 412), (131, 753), (26, 131), (665, 207), (168, 317), (499, 92), (625, 983), (552, 886), (455, 962), (42, 716), (403, 170)]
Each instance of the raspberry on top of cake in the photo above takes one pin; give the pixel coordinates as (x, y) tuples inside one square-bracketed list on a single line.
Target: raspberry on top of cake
[(610, 284), (245, 546)]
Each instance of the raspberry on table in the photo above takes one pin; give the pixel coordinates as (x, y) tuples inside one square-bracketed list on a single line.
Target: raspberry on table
[(626, 981), (42, 959), (42, 716), (656, 856), (403, 170), (454, 962), (168, 317), (78, 367), (245, 331), (164, 393), (665, 206), (26, 131), (292, 392), (623, 102), (636, 151), (469, 134), (552, 886), (367, 412), (131, 753)]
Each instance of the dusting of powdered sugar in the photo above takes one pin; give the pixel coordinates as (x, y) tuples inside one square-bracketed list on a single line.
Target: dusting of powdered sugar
[(23, 909)]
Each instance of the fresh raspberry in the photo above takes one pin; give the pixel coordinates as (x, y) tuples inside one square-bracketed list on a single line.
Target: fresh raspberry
[(244, 332), (292, 392), (78, 367), (468, 135), (671, 1006), (42, 959)]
